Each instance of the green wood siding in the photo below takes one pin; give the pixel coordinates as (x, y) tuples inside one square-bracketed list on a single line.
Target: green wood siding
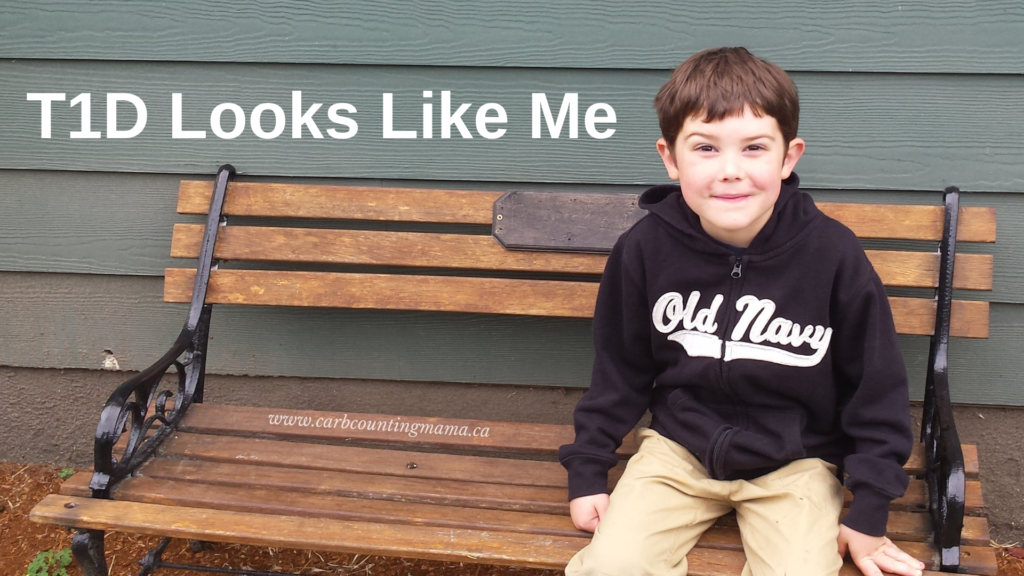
[(839, 36), (898, 100), (865, 131)]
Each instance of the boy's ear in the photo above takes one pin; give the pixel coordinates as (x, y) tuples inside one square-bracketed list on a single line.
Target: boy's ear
[(796, 150), (665, 151)]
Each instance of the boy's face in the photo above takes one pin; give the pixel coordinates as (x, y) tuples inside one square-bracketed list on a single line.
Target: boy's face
[(731, 172)]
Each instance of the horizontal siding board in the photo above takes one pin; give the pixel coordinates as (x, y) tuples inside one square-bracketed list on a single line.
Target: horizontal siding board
[(95, 223), (66, 320), (848, 35), (108, 223), (865, 131)]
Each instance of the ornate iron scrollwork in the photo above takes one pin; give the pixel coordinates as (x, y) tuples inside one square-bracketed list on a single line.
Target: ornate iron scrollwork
[(139, 404)]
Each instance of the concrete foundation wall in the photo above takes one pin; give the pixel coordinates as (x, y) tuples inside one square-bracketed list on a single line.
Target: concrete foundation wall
[(49, 416)]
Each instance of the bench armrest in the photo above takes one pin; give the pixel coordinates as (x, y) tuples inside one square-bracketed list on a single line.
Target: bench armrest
[(132, 402), (944, 459)]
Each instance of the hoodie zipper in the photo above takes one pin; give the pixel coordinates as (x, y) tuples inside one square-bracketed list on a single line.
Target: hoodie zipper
[(735, 285), (730, 315)]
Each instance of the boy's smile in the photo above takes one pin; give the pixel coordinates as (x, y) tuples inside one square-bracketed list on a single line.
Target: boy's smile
[(731, 172)]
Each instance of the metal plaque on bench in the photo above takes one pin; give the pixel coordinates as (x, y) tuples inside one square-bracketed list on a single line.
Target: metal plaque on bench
[(563, 221)]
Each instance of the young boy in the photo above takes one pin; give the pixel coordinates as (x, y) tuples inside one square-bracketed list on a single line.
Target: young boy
[(759, 336)]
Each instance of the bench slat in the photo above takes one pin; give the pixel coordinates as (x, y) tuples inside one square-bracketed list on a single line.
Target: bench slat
[(388, 292), (434, 491), (520, 437), (478, 295), (492, 547), (907, 222), (375, 247), (342, 202), (921, 269), (289, 503), (542, 440), (396, 462), (903, 526), (478, 252), (279, 453), (968, 318), (977, 224)]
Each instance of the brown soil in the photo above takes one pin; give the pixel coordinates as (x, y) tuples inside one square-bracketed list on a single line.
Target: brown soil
[(21, 486)]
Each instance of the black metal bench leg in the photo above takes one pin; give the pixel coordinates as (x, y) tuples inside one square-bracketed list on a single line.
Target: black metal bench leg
[(87, 548), (153, 559)]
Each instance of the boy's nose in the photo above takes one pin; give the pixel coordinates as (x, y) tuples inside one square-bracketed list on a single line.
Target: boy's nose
[(731, 167)]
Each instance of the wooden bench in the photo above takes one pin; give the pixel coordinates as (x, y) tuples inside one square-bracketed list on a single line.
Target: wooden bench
[(464, 490)]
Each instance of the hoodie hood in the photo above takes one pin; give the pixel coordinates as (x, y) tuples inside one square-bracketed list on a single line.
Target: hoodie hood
[(793, 216)]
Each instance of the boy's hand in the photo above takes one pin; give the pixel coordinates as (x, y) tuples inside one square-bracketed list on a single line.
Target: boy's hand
[(587, 511), (872, 554)]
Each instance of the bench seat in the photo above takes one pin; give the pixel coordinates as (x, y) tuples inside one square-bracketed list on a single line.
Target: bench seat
[(229, 474)]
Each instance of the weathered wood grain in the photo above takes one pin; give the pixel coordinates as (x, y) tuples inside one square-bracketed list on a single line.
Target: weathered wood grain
[(306, 533), (903, 526), (314, 505), (390, 429), (466, 251), (389, 292), (968, 319), (921, 269), (536, 499), (976, 224), (342, 202), (225, 421), (527, 210), (391, 461), (347, 536), (377, 248), (482, 295)]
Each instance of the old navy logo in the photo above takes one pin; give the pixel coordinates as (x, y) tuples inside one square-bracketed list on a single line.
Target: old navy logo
[(698, 339)]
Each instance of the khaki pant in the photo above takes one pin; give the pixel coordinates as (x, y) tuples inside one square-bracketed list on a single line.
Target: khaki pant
[(788, 520)]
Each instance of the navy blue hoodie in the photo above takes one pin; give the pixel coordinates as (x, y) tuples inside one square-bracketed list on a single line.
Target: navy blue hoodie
[(786, 352)]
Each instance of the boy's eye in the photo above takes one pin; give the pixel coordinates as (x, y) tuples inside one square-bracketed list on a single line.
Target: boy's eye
[(706, 148), (755, 147)]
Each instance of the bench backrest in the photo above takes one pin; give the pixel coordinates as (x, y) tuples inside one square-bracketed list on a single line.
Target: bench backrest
[(471, 271)]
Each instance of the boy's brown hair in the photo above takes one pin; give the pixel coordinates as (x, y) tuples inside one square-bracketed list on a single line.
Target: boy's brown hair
[(718, 83)]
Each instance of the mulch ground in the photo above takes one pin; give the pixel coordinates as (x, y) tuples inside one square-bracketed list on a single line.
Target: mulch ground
[(21, 486)]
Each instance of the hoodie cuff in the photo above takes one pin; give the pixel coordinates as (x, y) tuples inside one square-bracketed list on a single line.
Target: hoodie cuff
[(869, 512), (586, 477)]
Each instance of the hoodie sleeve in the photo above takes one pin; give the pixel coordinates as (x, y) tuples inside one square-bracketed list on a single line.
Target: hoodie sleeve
[(622, 379), (876, 414)]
